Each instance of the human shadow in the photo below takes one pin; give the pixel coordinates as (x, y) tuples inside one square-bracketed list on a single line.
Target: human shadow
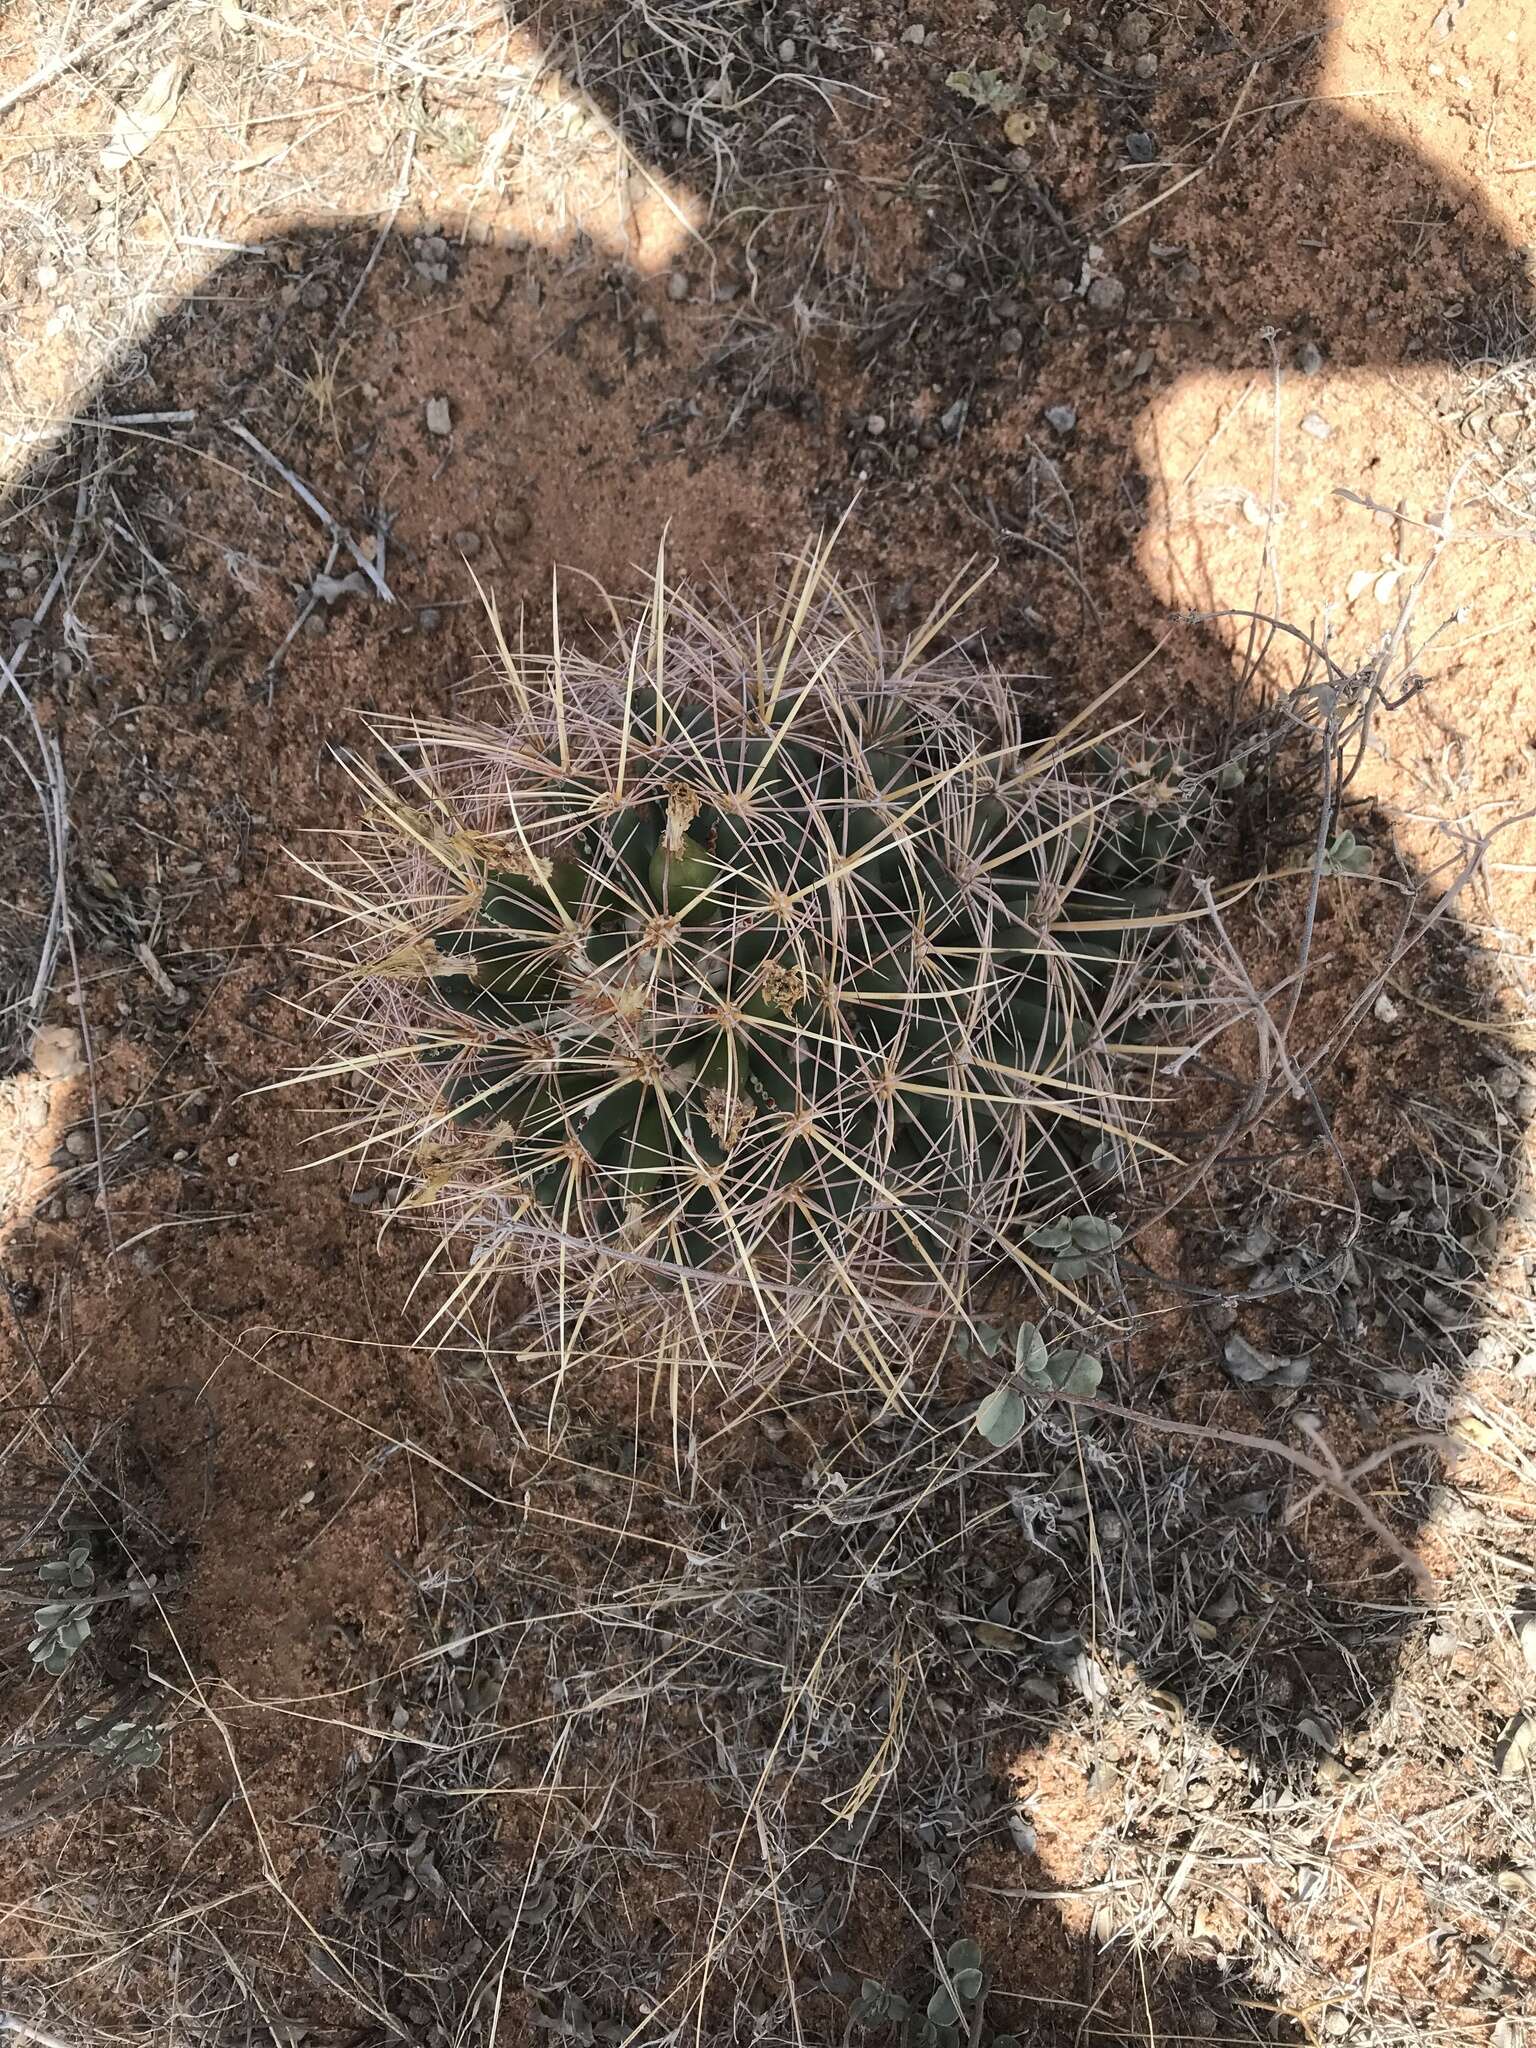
[(216, 636)]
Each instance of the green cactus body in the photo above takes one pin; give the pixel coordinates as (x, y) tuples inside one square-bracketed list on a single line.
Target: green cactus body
[(771, 997)]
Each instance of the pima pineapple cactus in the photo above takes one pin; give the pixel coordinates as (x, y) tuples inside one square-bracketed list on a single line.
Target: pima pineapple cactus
[(751, 972)]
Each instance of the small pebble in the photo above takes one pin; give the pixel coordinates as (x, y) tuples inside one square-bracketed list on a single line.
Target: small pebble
[(58, 1053), (1061, 419), (787, 51), (1106, 295), (915, 35), (1141, 148), (1309, 359), (429, 618), (314, 295), (439, 417), (1385, 1010), (368, 1197), (955, 281), (78, 1206), (875, 425), (78, 1144), (1135, 32), (170, 632), (466, 541), (677, 287), (1314, 424), (1011, 340), (1506, 1083), (317, 624), (511, 523), (1146, 65)]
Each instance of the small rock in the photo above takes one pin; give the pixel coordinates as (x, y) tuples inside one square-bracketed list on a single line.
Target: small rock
[(952, 419), (1442, 1646), (439, 417), (466, 541), (1021, 1833), (314, 295), (317, 625), (955, 281), (677, 287), (368, 1197), (58, 1053), (1141, 148), (429, 618), (1314, 424), (1106, 295), (78, 1144), (1146, 65), (78, 1206), (1011, 340), (1336, 2023), (1309, 359), (511, 523), (1135, 32), (1384, 1010), (917, 35), (1061, 419), (787, 51), (1505, 1083), (432, 248), (875, 425)]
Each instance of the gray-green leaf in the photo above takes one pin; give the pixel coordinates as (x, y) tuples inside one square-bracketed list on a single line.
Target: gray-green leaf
[(1000, 1416), (1029, 1350), (1075, 1372)]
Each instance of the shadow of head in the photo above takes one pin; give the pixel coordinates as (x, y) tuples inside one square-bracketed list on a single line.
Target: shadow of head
[(193, 647)]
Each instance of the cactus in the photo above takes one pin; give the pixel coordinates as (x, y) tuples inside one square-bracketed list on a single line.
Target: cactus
[(749, 973)]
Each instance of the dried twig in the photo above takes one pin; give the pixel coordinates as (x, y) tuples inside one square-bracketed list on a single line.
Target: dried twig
[(47, 73), (307, 498)]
